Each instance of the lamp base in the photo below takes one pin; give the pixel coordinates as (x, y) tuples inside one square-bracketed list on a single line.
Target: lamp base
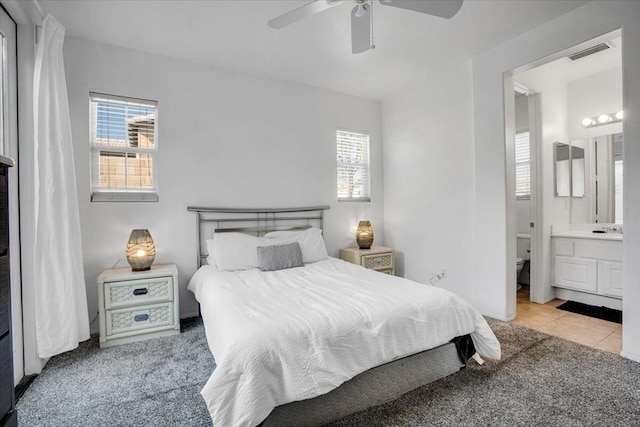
[(141, 269), (364, 247)]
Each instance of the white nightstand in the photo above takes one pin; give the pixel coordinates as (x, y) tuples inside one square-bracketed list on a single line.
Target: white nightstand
[(377, 258), (137, 305)]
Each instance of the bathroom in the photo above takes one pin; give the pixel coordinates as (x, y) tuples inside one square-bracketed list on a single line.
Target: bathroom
[(568, 176)]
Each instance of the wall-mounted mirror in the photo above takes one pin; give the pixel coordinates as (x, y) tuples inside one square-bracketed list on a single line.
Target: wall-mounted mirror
[(562, 169), (608, 184), (598, 167), (569, 166), (577, 171)]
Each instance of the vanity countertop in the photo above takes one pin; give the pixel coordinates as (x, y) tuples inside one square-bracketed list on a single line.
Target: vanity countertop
[(574, 234)]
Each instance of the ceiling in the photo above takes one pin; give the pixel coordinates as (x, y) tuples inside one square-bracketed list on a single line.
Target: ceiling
[(233, 34)]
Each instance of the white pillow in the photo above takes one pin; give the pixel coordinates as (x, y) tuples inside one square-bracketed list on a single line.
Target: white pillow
[(211, 260), (310, 241), (237, 251)]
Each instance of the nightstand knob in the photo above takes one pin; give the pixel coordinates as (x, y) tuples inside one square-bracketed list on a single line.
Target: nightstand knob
[(141, 291)]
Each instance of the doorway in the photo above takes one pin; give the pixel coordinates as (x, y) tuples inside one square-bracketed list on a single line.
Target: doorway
[(585, 83)]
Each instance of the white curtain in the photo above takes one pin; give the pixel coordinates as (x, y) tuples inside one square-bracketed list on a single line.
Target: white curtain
[(60, 296)]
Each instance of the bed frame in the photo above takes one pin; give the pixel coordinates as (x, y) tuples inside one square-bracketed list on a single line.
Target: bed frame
[(257, 222), (371, 388)]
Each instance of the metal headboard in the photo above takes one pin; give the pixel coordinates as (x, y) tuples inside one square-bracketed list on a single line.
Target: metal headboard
[(252, 221)]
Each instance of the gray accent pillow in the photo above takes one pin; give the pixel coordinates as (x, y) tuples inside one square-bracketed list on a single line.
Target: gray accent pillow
[(279, 257)]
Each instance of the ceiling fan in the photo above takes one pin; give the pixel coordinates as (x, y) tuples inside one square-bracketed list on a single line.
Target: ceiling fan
[(362, 16)]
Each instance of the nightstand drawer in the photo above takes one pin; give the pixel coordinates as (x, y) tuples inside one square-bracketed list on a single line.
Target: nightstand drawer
[(378, 262), (139, 318), (136, 292)]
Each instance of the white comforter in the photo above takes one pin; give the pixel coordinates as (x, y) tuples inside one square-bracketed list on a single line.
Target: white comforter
[(294, 334)]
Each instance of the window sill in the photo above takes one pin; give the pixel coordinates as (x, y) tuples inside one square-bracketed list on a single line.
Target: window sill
[(356, 199), (123, 196)]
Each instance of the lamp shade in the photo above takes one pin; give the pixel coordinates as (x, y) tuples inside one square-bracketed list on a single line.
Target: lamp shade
[(364, 235), (140, 250)]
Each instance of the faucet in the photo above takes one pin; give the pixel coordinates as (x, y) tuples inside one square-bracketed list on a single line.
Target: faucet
[(614, 229)]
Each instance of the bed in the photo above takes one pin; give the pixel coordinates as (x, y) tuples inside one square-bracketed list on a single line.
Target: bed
[(313, 343)]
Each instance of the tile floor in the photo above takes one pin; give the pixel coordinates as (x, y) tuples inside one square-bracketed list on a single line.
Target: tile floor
[(585, 330)]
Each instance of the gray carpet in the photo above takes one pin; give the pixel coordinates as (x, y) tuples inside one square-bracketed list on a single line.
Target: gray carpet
[(541, 380)]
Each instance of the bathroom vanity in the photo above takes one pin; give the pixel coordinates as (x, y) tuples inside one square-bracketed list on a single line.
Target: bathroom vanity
[(587, 267)]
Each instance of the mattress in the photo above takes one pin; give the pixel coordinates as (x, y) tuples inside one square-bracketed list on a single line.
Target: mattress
[(290, 335)]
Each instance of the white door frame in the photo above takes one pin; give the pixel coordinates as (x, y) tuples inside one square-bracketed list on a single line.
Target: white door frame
[(536, 266)]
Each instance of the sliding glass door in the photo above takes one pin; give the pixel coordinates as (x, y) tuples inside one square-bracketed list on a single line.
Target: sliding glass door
[(9, 148)]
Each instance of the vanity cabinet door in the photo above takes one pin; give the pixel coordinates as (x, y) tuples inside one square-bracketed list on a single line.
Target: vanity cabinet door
[(610, 278), (576, 273)]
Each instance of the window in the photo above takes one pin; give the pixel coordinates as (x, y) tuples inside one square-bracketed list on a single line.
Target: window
[(123, 137), (353, 166), (523, 166)]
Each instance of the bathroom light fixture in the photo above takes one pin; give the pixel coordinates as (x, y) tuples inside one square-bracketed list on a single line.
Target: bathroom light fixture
[(141, 251), (586, 122), (602, 119), (364, 235)]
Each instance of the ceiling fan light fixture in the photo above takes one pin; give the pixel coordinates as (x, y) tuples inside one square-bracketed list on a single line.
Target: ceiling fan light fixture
[(361, 10), (362, 16)]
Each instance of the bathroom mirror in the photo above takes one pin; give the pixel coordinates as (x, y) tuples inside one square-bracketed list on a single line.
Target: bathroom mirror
[(596, 171), (562, 169), (608, 184), (569, 165), (577, 171)]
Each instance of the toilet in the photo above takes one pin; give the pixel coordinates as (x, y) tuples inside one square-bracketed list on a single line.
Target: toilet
[(519, 265)]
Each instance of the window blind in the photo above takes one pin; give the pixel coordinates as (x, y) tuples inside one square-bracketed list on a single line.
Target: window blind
[(523, 166), (353, 166), (123, 147)]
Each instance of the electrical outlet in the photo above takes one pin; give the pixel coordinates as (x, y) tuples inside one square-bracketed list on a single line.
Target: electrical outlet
[(434, 278)]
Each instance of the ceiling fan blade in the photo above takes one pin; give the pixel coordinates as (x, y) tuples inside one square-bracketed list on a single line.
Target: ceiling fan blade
[(442, 8), (302, 12), (360, 29)]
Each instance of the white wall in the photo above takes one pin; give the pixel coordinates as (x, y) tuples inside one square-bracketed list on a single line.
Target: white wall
[(225, 139), (428, 177), (492, 204), (590, 97), (556, 210)]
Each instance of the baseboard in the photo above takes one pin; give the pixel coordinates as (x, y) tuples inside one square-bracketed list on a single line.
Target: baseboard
[(23, 385), (630, 356)]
